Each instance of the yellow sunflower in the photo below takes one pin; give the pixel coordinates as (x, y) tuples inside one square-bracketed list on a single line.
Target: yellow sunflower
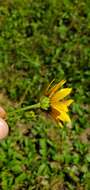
[(57, 103)]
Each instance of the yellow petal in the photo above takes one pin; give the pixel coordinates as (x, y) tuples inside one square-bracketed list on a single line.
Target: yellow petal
[(68, 102), (54, 113), (47, 89), (61, 94), (56, 87), (59, 106), (60, 124), (64, 117)]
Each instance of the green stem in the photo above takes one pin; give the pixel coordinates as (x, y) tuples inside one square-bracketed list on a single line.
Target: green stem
[(27, 108)]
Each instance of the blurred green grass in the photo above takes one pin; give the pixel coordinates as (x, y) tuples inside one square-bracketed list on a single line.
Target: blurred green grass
[(39, 41)]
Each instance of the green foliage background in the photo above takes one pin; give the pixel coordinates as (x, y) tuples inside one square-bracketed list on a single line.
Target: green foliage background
[(41, 40)]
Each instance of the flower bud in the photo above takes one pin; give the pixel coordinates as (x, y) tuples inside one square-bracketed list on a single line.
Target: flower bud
[(3, 129)]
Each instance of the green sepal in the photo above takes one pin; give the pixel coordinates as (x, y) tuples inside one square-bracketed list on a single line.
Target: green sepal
[(44, 103)]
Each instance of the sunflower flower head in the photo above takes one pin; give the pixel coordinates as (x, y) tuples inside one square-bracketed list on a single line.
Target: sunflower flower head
[(54, 100)]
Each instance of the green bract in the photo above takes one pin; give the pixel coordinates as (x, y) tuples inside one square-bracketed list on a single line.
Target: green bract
[(44, 103)]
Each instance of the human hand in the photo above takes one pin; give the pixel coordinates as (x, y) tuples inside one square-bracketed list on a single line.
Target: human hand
[(3, 124)]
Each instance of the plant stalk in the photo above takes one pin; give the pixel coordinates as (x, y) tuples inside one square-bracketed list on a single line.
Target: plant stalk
[(28, 108)]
